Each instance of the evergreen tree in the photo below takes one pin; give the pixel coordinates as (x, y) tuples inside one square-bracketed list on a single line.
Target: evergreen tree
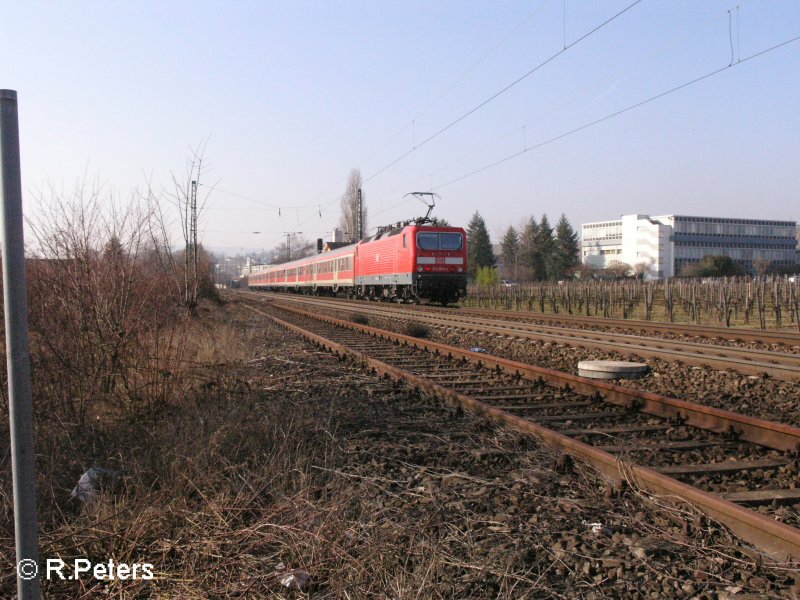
[(545, 244), (567, 249), (511, 252), (479, 245), (528, 250)]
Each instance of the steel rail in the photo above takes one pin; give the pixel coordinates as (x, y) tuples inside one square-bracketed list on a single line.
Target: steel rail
[(736, 334), (782, 366), (752, 429), (772, 537), (642, 342)]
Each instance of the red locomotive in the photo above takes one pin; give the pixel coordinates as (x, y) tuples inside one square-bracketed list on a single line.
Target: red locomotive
[(407, 263)]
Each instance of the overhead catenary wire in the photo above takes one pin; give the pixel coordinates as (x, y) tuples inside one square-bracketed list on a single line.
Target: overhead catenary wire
[(618, 113), (515, 131), (527, 148), (411, 123), (450, 87), (453, 123), (416, 181), (502, 91), (264, 203), (319, 207)]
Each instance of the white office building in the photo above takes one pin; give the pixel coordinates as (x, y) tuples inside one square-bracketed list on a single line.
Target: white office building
[(666, 244)]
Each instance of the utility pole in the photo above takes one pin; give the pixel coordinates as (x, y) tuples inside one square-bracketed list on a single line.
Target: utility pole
[(193, 233), (360, 217), (20, 405), (289, 235)]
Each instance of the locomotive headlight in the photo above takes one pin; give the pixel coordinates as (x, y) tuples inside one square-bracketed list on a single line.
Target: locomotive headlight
[(419, 269), (460, 269)]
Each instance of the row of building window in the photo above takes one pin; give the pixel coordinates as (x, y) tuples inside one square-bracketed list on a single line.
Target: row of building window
[(785, 247), (600, 235), (746, 263), (734, 253), (596, 252), (722, 220), (717, 229), (604, 224)]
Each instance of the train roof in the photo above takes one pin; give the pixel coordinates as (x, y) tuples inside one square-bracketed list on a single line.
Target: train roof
[(350, 248), (344, 250), (395, 230)]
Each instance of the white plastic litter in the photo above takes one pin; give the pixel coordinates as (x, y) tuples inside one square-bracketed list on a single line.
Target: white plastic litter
[(296, 579), (593, 527), (88, 484)]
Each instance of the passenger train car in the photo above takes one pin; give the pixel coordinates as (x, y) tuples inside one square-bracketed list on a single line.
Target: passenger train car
[(407, 263)]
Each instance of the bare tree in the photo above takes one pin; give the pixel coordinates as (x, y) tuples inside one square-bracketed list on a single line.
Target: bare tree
[(97, 304), (583, 272), (762, 266), (642, 268), (618, 269), (298, 247), (349, 220), (186, 278), (162, 248)]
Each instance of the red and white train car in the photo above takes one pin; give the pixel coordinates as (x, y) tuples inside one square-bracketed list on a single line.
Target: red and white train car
[(407, 263)]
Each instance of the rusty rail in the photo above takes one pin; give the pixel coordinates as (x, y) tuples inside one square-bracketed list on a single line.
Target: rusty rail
[(788, 338), (772, 537), (753, 362)]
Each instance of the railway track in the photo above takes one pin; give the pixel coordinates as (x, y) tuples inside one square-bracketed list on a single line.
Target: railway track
[(737, 334), (719, 462), (780, 365)]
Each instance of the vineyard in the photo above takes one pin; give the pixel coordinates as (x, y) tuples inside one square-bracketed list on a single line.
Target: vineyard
[(768, 302)]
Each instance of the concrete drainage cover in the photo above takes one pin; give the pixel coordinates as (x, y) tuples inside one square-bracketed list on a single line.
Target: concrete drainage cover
[(611, 369)]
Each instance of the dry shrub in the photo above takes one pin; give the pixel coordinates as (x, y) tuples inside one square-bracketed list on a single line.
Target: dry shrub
[(103, 332), (110, 346), (125, 378), (360, 319), (417, 330)]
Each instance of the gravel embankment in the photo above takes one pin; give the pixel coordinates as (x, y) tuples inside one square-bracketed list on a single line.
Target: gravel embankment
[(762, 397), (414, 499)]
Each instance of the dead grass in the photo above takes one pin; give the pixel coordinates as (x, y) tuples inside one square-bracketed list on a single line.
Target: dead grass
[(262, 460)]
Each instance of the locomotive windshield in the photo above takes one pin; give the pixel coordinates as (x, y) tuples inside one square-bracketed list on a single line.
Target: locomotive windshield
[(439, 241)]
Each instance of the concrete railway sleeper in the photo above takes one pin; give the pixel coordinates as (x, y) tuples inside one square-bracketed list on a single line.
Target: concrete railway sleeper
[(718, 462)]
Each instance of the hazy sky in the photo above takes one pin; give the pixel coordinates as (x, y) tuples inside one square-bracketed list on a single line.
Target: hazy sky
[(291, 96)]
